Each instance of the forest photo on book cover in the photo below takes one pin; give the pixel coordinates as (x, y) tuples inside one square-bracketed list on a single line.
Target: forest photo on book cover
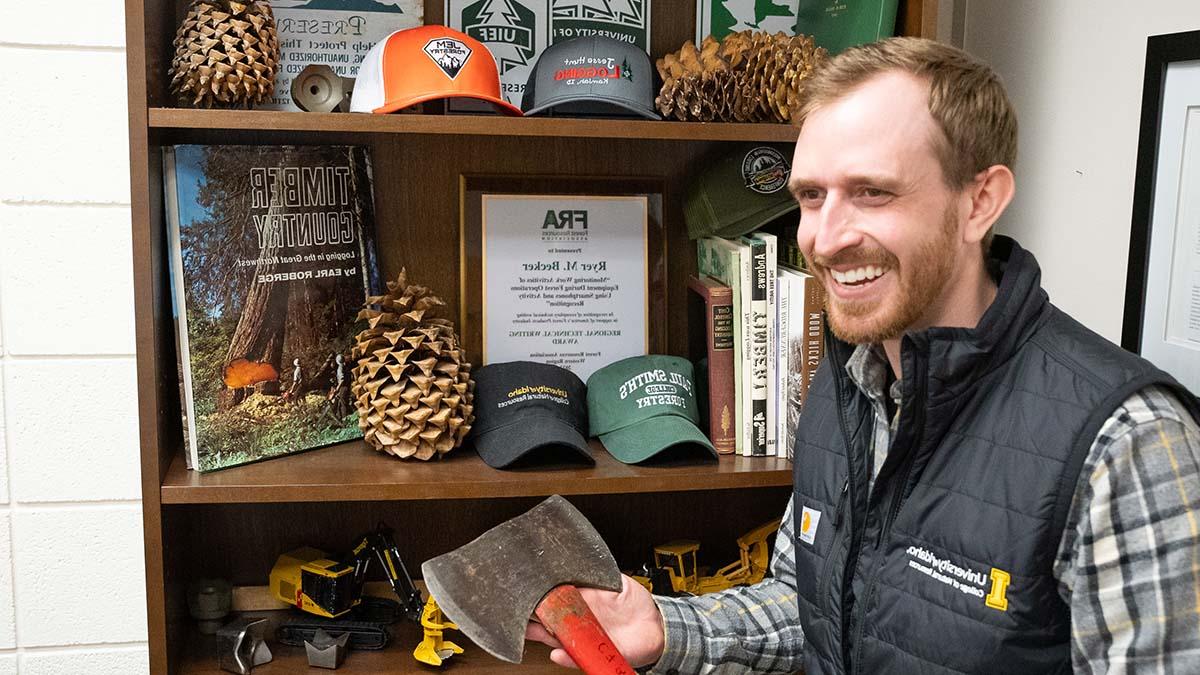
[(276, 245)]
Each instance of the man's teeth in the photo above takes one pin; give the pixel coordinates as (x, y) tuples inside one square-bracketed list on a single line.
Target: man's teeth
[(858, 274)]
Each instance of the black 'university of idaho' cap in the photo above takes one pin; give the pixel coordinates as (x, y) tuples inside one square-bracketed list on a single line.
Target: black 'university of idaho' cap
[(522, 406)]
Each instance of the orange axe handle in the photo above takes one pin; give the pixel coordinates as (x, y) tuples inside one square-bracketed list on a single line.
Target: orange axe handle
[(568, 618)]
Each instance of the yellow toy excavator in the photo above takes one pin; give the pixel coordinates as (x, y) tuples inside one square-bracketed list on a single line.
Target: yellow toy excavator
[(307, 579), (675, 571)]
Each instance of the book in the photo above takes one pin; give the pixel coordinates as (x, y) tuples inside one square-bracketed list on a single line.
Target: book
[(805, 344), (757, 346), (837, 24), (772, 266), (710, 339), (272, 254), (719, 18), (721, 260), (335, 33), (783, 308)]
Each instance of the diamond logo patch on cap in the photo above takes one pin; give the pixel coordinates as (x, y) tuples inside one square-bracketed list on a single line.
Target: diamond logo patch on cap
[(449, 54)]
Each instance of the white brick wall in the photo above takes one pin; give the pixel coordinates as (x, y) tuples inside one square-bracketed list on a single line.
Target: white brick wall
[(72, 582)]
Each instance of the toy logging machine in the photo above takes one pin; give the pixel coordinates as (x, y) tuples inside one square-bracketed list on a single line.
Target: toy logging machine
[(308, 579), (675, 572)]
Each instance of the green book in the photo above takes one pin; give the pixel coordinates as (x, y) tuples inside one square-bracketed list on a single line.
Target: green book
[(838, 24)]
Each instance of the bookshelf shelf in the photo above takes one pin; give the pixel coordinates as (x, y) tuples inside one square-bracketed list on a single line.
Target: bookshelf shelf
[(466, 125), (353, 472)]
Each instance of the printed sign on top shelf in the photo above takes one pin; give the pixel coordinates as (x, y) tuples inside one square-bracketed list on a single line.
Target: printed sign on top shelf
[(336, 33)]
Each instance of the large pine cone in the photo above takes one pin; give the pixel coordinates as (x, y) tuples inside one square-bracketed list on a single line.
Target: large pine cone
[(226, 54), (747, 77), (412, 386)]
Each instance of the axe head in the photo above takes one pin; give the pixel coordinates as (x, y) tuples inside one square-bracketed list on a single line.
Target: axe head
[(491, 586)]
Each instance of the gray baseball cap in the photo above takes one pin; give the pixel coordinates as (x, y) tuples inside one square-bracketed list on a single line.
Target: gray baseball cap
[(591, 76)]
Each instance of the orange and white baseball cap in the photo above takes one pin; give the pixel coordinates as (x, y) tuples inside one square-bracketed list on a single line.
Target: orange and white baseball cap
[(425, 63)]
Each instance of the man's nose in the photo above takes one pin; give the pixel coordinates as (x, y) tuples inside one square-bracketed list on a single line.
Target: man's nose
[(834, 229)]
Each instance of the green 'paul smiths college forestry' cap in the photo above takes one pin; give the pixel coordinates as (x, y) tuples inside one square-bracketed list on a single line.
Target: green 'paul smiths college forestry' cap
[(643, 405), (591, 76), (739, 191)]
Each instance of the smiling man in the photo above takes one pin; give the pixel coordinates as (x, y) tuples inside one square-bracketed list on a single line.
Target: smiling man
[(982, 485)]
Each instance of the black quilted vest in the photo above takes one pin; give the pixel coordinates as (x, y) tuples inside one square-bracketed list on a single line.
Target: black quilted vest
[(945, 566)]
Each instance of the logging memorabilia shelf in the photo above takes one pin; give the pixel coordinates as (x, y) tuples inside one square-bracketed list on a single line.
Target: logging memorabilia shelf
[(234, 523)]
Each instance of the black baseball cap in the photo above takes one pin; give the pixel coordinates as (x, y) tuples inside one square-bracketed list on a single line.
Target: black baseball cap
[(591, 75), (522, 406)]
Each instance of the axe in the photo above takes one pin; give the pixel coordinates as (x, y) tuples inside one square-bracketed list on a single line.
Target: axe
[(531, 565)]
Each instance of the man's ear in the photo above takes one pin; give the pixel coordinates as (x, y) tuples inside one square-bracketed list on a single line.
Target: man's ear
[(989, 194)]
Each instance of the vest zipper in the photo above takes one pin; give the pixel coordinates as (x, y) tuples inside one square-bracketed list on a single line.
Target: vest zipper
[(855, 535), (827, 571)]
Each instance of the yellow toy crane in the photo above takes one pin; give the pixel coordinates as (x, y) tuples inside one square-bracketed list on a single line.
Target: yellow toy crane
[(675, 571)]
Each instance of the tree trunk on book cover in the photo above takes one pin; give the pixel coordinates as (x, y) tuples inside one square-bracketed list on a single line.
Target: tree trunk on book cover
[(256, 350)]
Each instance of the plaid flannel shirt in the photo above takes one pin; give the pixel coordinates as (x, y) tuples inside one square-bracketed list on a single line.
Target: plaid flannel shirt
[(1128, 565)]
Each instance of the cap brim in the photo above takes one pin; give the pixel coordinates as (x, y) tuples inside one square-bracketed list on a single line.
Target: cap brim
[(501, 447), (592, 98), (643, 440), (502, 105)]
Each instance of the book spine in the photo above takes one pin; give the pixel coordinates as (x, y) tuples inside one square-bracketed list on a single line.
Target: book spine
[(709, 250), (798, 288), (814, 332), (782, 317), (179, 305), (719, 342), (758, 346), (773, 449)]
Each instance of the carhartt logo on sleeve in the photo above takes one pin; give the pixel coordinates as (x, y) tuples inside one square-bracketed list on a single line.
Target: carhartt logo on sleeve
[(809, 519)]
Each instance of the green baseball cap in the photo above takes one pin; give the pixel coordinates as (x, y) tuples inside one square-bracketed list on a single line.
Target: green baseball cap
[(739, 191), (643, 405)]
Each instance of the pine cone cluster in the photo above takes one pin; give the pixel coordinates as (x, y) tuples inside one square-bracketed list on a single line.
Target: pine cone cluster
[(748, 76), (226, 53), (411, 385)]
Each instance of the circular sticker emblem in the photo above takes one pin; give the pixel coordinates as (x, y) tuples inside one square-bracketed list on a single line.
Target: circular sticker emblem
[(764, 170)]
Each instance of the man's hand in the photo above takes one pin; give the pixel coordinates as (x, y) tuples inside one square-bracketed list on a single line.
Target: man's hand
[(630, 617)]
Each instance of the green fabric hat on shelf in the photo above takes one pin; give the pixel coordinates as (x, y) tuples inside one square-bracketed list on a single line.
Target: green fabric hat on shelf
[(739, 191), (643, 405)]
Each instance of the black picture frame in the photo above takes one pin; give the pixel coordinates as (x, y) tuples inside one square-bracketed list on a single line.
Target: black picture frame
[(1161, 51)]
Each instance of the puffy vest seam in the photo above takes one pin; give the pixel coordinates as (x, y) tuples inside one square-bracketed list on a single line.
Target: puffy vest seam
[(918, 657), (930, 486), (998, 444)]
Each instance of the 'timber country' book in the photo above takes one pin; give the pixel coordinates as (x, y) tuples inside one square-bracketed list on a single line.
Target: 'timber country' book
[(272, 255)]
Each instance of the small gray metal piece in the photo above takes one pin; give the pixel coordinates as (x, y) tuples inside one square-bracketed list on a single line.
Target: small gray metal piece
[(241, 646), (325, 651)]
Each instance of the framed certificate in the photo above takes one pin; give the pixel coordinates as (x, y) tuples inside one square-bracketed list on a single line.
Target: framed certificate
[(566, 271), (1162, 291)]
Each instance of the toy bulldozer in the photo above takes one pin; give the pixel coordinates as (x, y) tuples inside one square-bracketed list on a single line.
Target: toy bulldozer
[(675, 571)]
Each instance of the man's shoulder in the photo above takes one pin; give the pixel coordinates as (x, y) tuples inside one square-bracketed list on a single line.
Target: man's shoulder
[(1147, 406)]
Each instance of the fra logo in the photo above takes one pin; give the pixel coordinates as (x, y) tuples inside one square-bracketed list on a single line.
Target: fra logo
[(565, 220), (997, 598)]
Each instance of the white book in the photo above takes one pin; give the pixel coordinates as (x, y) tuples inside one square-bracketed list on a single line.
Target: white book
[(773, 448), (782, 317)]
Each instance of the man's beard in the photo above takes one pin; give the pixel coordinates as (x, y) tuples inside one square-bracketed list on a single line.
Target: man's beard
[(920, 282)]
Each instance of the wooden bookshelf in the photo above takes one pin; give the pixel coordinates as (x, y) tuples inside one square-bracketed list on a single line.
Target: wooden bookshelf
[(233, 523)]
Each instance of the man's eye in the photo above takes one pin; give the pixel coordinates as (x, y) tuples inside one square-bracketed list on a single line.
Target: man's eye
[(874, 195), (809, 197)]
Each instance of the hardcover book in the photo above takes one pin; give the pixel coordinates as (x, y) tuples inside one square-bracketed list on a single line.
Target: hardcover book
[(721, 260), (838, 24), (272, 255), (772, 267), (759, 347), (804, 343), (710, 337)]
